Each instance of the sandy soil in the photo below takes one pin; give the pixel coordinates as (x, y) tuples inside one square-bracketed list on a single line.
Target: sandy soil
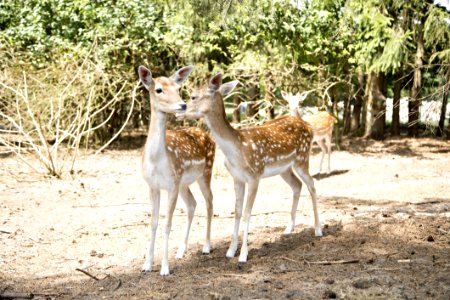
[(385, 210)]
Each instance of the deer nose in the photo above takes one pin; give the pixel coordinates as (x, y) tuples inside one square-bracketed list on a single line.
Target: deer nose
[(183, 106)]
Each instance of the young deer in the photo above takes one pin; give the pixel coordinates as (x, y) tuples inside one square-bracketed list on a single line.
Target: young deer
[(174, 159), (321, 122), (276, 148)]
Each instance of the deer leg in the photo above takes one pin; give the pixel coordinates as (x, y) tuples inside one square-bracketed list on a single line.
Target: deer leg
[(205, 188), (296, 186), (252, 189), (190, 202), (155, 201), (321, 144), (239, 189), (328, 142), (173, 195), (302, 171)]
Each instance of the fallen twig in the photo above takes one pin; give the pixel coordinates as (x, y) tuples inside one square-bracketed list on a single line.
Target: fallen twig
[(336, 262), (4, 231), (110, 205), (404, 261), (233, 275), (119, 284), (15, 295), (290, 259), (86, 273), (427, 202), (131, 225)]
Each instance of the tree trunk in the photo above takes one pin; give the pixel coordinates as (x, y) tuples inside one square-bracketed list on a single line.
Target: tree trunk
[(357, 107), (321, 76), (337, 128), (440, 130), (414, 100), (347, 103), (380, 109), (270, 112), (395, 129), (347, 115), (237, 109), (375, 114), (252, 94)]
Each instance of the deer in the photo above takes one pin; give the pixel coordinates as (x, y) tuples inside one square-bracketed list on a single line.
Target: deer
[(321, 122), (278, 147), (172, 160)]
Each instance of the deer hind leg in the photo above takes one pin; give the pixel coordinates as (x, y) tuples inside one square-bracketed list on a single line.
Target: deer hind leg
[(252, 189), (321, 144), (328, 142), (190, 202), (296, 186), (239, 189), (155, 201), (205, 187), (173, 195), (302, 171)]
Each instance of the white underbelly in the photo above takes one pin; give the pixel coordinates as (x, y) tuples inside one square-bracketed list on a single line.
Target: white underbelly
[(193, 172), (272, 170)]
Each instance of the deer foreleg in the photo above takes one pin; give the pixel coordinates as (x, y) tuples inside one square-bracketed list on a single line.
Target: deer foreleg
[(173, 195), (239, 188), (155, 201), (252, 189)]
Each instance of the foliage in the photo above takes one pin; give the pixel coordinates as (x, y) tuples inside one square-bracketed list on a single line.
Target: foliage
[(269, 45)]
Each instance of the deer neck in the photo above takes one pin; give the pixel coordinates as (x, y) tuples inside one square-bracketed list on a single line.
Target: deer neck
[(228, 138), (155, 146)]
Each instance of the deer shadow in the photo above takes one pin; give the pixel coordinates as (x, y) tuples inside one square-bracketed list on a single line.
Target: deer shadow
[(320, 176)]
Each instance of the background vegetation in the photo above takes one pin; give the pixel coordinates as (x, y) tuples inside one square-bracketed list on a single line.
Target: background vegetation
[(68, 67)]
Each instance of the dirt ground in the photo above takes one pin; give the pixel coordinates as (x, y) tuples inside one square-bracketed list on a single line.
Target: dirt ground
[(385, 211)]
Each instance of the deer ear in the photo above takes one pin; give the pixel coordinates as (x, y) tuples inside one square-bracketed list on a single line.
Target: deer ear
[(215, 82), (146, 76), (182, 74), (302, 96), (284, 95), (228, 87)]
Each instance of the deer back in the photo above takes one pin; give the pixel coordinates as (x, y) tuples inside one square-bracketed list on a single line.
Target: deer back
[(321, 122), (276, 143)]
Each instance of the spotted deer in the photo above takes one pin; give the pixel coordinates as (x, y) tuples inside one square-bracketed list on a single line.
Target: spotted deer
[(278, 147), (172, 160), (321, 122)]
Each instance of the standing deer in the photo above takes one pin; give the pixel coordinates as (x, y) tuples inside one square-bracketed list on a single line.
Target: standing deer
[(276, 148), (321, 122), (172, 160)]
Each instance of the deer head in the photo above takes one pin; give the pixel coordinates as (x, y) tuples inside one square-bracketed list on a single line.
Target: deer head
[(208, 100), (164, 92), (293, 101)]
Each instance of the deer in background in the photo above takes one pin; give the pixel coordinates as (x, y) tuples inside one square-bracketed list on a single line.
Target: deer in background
[(172, 160), (279, 147), (321, 122)]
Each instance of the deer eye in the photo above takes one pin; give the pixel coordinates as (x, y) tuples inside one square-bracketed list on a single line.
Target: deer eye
[(158, 90), (193, 98)]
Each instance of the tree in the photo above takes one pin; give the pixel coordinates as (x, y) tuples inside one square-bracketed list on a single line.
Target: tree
[(437, 38), (415, 96), (359, 101)]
